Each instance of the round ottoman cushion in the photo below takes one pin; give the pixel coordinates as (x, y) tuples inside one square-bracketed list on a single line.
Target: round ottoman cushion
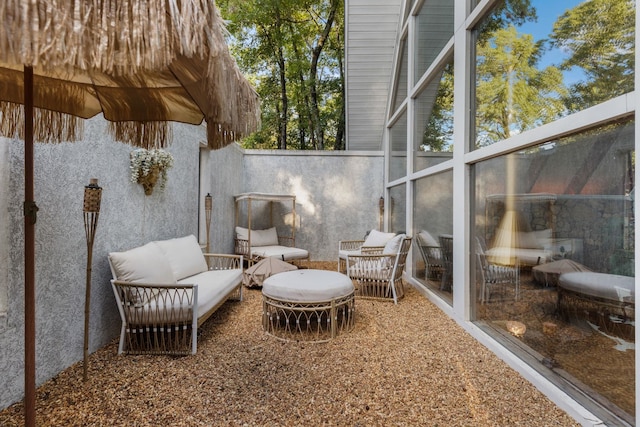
[(307, 286), (601, 285)]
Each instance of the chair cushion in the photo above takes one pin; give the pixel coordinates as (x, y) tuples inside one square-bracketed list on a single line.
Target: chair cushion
[(284, 253), (268, 237), (393, 246), (184, 256), (377, 238)]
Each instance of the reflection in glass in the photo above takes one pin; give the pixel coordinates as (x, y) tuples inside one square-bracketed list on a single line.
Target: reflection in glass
[(434, 28), (397, 206), (433, 217), (559, 218), (434, 121), (398, 145), (536, 62)]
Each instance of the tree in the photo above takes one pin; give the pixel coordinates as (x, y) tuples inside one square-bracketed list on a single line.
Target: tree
[(292, 51), (599, 36), (512, 94)]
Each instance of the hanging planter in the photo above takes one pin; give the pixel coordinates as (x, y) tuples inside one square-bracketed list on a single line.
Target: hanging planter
[(150, 166)]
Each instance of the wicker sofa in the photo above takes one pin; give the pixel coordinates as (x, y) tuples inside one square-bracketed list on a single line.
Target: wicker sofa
[(166, 289)]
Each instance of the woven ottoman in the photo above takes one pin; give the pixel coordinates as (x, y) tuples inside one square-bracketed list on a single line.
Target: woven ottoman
[(307, 305)]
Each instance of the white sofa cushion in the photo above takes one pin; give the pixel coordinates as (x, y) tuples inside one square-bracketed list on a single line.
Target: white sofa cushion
[(377, 238), (213, 287), (146, 264), (184, 256)]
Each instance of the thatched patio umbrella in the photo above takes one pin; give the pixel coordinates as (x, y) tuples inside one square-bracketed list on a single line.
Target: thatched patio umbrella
[(139, 62)]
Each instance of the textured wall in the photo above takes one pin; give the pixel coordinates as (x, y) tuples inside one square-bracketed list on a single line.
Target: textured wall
[(128, 218), (337, 193)]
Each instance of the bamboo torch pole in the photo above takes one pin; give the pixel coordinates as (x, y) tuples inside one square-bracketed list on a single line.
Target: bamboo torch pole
[(208, 206), (91, 208)]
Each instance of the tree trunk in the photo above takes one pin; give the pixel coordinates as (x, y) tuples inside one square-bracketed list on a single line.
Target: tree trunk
[(313, 73)]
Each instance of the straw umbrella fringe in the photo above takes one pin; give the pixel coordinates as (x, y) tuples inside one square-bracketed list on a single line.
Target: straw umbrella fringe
[(110, 35), (121, 37), (134, 38)]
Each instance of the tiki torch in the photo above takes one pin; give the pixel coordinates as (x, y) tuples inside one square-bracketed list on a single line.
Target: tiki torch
[(208, 206), (381, 212), (91, 208)]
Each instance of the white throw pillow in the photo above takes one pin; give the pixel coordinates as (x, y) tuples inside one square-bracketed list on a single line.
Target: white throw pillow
[(242, 233), (527, 240), (393, 246), (427, 239), (184, 255), (543, 237), (377, 238), (144, 264), (268, 237)]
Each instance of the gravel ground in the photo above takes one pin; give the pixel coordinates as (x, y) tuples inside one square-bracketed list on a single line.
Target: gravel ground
[(404, 365)]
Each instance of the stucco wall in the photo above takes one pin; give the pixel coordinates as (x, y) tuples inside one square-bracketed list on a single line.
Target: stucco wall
[(336, 193), (128, 218)]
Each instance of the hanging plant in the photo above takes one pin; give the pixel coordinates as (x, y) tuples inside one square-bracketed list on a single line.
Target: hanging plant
[(149, 166)]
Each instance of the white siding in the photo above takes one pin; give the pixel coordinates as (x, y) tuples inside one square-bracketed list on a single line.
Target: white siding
[(371, 33)]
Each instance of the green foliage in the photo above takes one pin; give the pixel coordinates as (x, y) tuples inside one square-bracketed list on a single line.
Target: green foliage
[(599, 34), (292, 52), (513, 94)]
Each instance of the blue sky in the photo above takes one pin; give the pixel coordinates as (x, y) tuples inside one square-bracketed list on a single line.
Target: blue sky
[(548, 12)]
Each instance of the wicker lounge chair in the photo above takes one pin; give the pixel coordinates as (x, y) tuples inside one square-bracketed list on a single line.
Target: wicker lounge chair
[(380, 276), (372, 244), (255, 244)]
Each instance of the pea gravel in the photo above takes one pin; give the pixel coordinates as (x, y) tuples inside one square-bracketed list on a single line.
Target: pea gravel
[(402, 365)]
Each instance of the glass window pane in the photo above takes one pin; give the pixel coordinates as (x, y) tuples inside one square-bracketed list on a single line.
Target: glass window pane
[(433, 217), (537, 61), (433, 135), (398, 144), (434, 28), (554, 256), (400, 92)]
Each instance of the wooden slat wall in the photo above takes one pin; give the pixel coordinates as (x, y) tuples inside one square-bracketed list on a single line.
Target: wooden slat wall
[(372, 27)]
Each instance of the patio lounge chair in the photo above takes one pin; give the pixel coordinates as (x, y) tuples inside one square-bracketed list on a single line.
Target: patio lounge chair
[(256, 244), (379, 276), (372, 244)]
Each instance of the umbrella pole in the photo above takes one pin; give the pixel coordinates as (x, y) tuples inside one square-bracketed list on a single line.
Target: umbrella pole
[(30, 211)]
